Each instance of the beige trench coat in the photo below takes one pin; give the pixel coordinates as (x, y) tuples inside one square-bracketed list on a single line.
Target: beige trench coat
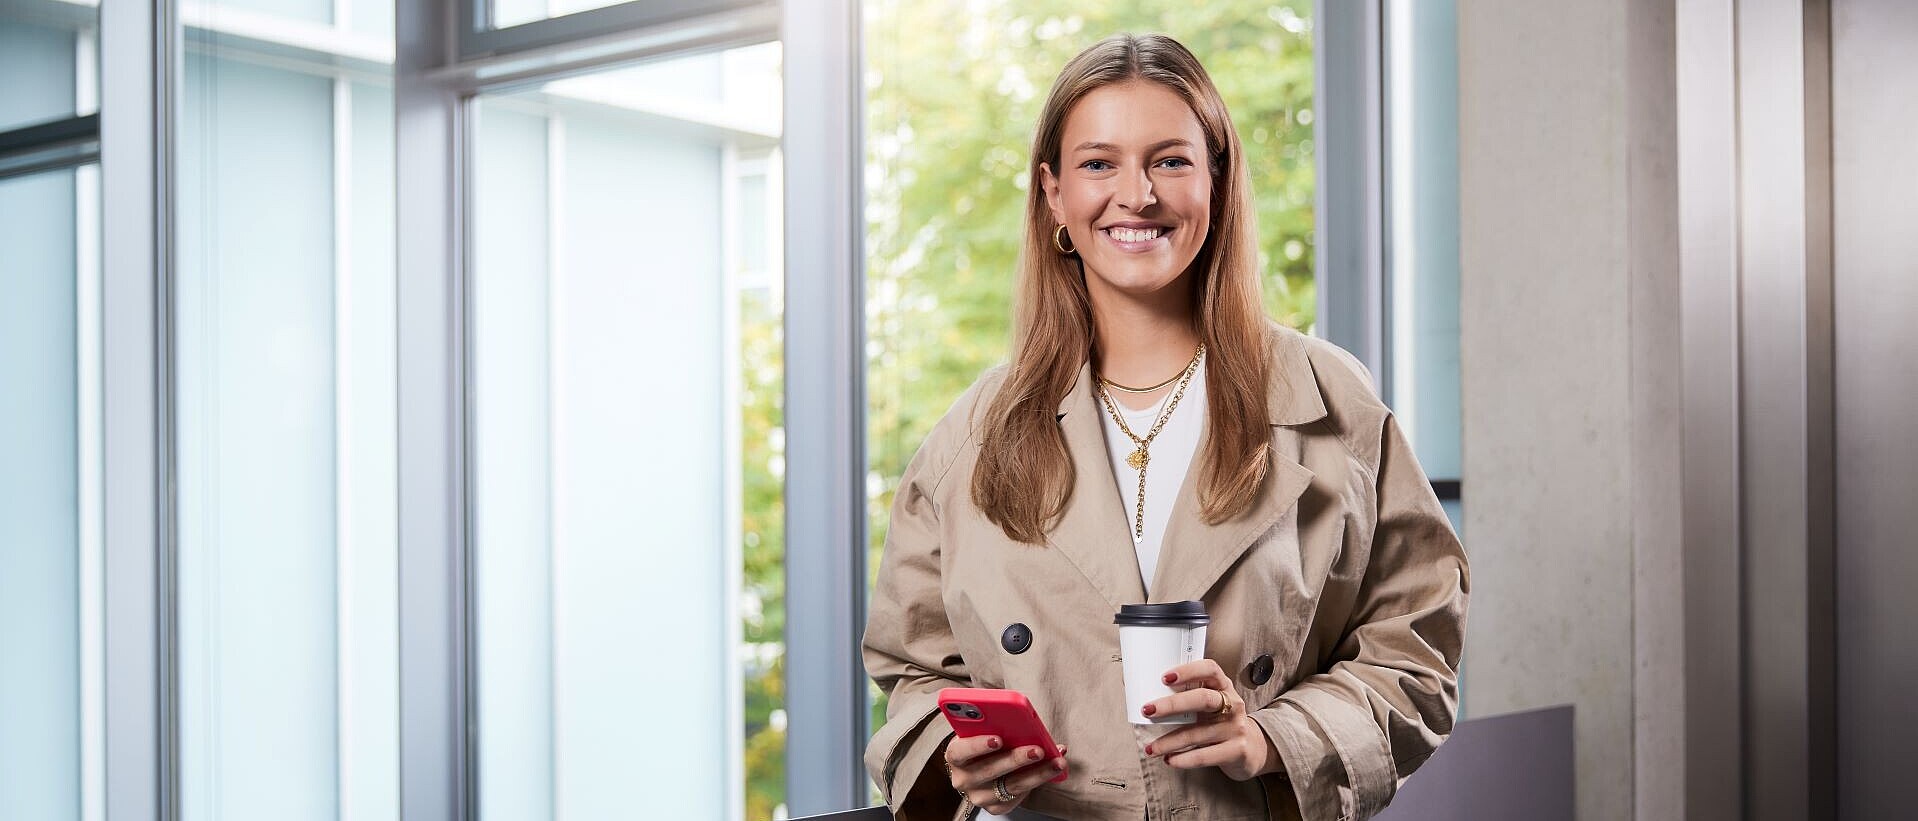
[(1337, 601)]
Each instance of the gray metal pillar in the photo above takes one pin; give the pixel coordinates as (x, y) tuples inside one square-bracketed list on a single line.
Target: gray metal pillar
[(1785, 407), (1875, 377), (434, 784), (1756, 218), (825, 408), (139, 61), (1348, 134), (1708, 224)]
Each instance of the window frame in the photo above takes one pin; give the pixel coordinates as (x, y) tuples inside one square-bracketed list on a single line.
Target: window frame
[(1348, 133), (1355, 195), (434, 96), (479, 39), (50, 146), (825, 407), (140, 53)]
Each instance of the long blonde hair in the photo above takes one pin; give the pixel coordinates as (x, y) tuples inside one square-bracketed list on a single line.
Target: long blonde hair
[(1024, 475)]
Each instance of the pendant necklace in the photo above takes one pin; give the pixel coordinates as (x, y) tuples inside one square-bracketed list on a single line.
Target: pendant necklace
[(1140, 457)]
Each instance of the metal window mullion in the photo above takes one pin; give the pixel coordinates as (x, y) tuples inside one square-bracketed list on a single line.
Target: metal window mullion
[(348, 700), (50, 146), (733, 551), (825, 409), (429, 147), (478, 38), (555, 546), (1398, 296), (89, 361), (139, 45), (1348, 134), (613, 45)]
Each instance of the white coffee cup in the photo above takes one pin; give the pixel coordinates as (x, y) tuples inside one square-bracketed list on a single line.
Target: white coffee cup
[(1153, 639)]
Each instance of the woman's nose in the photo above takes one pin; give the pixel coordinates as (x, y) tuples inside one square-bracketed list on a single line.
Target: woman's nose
[(1135, 191)]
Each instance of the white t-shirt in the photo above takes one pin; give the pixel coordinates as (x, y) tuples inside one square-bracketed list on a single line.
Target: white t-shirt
[(1171, 456), (1172, 451)]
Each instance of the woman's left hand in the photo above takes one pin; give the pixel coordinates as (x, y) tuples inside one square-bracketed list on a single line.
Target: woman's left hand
[(1224, 736)]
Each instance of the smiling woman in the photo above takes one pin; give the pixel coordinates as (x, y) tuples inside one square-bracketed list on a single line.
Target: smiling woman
[(1283, 504), (949, 129)]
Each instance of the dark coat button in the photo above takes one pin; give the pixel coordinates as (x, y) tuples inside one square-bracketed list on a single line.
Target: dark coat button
[(1260, 670), (1017, 639)]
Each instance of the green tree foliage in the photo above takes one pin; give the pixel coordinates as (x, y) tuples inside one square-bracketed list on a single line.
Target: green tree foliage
[(763, 530), (953, 91)]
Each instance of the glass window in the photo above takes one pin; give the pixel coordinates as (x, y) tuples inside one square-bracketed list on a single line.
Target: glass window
[(948, 127), (626, 375), (51, 666), (51, 549), (515, 12), (285, 348), (49, 53)]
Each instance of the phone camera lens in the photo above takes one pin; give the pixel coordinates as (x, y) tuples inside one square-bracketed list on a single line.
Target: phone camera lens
[(972, 714), (953, 707)]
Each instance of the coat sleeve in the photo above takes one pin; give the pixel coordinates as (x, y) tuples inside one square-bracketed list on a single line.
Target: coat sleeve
[(1350, 735), (910, 653)]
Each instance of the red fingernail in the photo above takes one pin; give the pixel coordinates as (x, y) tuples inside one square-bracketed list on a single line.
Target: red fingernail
[(1149, 710), (1171, 677), (1032, 755), (1059, 767), (992, 744), (1148, 749)]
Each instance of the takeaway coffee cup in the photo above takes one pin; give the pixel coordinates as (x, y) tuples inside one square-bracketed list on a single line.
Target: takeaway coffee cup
[(1154, 638)]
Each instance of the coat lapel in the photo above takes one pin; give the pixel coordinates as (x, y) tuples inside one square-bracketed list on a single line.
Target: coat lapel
[(1194, 553), (1092, 530)]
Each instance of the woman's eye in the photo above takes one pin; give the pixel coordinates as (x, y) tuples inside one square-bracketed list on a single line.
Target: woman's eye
[(1096, 165), (1175, 162)]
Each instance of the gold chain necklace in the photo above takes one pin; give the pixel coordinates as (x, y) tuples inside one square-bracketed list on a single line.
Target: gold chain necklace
[(1123, 389), (1139, 458)]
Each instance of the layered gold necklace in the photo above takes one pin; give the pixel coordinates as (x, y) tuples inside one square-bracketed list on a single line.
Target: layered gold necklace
[(1140, 456)]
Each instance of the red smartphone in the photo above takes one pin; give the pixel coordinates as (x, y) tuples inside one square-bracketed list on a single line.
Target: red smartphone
[(1004, 713)]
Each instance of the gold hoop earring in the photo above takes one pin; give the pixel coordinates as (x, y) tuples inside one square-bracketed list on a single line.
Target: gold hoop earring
[(1059, 239)]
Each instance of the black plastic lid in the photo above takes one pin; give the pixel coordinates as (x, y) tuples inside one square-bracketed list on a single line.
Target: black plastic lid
[(1174, 614)]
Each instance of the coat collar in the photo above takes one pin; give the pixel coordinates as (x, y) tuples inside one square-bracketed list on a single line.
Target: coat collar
[(1094, 531)]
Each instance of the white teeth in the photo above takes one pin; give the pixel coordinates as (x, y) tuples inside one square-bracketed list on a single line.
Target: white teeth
[(1134, 234)]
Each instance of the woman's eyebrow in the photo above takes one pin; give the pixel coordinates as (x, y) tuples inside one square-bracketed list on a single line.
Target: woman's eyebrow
[(1161, 145)]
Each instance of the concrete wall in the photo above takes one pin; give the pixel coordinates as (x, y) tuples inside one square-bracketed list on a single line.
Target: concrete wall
[(1570, 371)]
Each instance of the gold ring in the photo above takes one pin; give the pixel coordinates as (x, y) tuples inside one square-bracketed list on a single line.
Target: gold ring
[(999, 789), (1225, 704)]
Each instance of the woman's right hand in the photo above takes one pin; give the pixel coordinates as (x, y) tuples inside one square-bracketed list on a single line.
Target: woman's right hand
[(977, 763)]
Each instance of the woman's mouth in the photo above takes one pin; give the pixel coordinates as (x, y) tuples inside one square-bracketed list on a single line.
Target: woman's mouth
[(1136, 239)]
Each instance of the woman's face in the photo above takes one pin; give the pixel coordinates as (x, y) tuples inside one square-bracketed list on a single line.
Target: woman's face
[(1132, 187)]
